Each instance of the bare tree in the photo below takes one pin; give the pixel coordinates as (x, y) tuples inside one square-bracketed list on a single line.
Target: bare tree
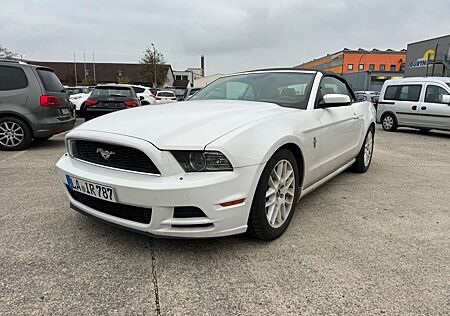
[(7, 54)]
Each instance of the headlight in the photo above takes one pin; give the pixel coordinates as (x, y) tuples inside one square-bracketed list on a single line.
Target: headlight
[(198, 161)]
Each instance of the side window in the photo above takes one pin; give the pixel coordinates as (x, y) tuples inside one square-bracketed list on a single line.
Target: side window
[(331, 85), (434, 94), (12, 78), (403, 93), (138, 90), (50, 80), (390, 93)]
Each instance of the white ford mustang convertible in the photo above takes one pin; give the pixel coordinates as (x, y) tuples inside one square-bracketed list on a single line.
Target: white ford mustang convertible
[(236, 157)]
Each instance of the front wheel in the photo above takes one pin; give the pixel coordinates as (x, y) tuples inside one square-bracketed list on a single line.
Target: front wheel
[(364, 158), (275, 197)]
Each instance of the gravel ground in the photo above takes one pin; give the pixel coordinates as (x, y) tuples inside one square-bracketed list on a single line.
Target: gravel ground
[(377, 243)]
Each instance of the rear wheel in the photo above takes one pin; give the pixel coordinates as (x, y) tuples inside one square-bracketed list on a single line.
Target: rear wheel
[(389, 122), (81, 111), (275, 197), (14, 134)]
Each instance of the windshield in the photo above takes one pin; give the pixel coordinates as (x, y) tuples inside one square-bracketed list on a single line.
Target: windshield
[(290, 89), (112, 91)]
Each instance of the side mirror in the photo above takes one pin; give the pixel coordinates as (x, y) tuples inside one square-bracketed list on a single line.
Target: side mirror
[(446, 99), (331, 100), (141, 98)]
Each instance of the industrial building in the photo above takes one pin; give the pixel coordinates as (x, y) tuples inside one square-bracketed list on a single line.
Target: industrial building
[(349, 61)]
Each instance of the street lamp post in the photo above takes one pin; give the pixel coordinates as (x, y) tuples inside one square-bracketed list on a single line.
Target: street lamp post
[(154, 64), (359, 62)]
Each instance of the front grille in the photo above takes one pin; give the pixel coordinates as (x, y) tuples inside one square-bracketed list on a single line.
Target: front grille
[(115, 156), (187, 212), (129, 212)]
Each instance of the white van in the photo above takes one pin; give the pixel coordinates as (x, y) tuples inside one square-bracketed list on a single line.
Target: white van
[(422, 103)]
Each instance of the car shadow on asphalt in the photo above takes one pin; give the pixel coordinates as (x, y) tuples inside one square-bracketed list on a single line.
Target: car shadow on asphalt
[(52, 143), (432, 133), (113, 235)]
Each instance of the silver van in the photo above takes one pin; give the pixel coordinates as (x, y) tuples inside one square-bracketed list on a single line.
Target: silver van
[(422, 103)]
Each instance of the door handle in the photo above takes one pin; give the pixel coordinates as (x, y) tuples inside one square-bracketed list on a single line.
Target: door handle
[(414, 107), (423, 108)]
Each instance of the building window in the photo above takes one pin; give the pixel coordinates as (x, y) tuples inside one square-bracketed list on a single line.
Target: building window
[(184, 78), (177, 77), (402, 67), (382, 67), (350, 66), (361, 67), (372, 67), (393, 68)]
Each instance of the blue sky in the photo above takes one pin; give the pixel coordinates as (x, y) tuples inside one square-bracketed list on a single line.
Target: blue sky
[(234, 35)]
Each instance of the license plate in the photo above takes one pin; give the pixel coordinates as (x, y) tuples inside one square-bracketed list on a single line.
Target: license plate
[(65, 111), (93, 189)]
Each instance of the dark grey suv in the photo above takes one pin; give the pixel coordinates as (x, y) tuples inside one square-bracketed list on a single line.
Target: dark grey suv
[(33, 105)]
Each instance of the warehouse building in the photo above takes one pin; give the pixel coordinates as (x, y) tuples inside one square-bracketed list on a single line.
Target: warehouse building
[(365, 70), (349, 61)]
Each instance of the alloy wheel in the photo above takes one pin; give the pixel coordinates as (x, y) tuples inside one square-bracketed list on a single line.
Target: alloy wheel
[(280, 193), (11, 134), (368, 148), (388, 122)]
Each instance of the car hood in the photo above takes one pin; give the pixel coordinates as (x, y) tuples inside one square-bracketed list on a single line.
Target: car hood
[(184, 125)]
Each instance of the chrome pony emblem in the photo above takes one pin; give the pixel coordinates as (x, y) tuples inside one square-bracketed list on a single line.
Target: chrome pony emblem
[(105, 153)]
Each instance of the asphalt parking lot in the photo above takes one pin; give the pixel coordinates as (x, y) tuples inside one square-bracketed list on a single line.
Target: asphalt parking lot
[(376, 243)]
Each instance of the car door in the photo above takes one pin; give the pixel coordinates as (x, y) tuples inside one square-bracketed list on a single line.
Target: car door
[(433, 113), (341, 127), (405, 100)]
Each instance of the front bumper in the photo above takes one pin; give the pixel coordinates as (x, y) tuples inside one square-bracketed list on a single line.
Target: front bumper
[(162, 193)]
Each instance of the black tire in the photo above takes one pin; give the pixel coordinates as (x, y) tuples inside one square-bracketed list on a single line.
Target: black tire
[(361, 165), (81, 111), (389, 122), (87, 118), (258, 224), (21, 128)]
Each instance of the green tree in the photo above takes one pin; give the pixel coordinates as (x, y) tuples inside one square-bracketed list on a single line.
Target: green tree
[(5, 53), (124, 80), (151, 61)]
